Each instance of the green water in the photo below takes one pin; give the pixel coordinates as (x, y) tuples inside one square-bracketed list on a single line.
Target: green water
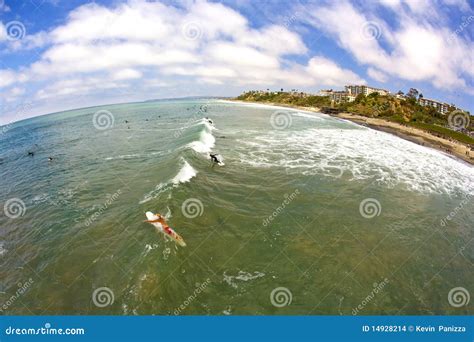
[(82, 226)]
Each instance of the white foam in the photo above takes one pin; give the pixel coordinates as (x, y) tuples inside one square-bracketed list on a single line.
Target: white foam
[(3, 250), (359, 154), (125, 156), (185, 174), (162, 187), (312, 116), (204, 144), (241, 276)]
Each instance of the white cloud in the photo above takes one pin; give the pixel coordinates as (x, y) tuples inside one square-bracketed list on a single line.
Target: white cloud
[(326, 72), (7, 77), (102, 48), (415, 50), (126, 74)]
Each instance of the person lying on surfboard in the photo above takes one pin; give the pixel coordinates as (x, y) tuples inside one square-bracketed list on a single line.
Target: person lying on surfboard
[(160, 223)]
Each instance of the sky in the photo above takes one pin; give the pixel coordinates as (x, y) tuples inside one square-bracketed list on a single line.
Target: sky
[(57, 55)]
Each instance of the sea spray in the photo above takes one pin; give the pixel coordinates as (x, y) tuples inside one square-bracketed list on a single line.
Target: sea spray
[(204, 144), (184, 175)]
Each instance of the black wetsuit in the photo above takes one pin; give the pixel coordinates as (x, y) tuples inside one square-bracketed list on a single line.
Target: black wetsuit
[(214, 158)]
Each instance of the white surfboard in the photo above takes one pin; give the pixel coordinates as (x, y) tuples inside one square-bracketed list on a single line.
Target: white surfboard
[(220, 160), (164, 229)]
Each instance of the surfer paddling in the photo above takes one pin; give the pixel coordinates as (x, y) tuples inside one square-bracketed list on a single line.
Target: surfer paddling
[(160, 223)]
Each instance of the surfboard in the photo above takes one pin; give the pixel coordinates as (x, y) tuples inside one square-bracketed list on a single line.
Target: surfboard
[(220, 160), (166, 230)]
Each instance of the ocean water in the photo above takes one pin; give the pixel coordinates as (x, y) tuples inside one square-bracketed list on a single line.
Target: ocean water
[(309, 215)]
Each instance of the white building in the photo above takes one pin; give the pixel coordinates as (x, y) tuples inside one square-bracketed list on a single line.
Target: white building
[(341, 96), (441, 107), (366, 90)]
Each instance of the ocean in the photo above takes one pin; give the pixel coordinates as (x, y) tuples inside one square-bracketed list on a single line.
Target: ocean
[(310, 215)]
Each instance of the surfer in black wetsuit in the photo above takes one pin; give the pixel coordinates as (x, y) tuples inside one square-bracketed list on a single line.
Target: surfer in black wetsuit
[(214, 158)]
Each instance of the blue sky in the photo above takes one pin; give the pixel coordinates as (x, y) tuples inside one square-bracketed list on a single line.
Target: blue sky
[(57, 54)]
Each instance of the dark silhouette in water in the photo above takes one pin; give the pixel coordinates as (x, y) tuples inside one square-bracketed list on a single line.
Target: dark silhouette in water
[(214, 157), (50, 159), (30, 153)]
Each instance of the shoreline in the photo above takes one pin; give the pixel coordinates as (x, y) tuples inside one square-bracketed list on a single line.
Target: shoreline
[(453, 149)]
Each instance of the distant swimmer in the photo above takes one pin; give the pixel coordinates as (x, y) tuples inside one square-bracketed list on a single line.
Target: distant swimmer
[(209, 120), (31, 153), (126, 121), (50, 159)]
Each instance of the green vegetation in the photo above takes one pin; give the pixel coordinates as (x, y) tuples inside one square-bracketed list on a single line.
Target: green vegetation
[(444, 132), (299, 99), (404, 111)]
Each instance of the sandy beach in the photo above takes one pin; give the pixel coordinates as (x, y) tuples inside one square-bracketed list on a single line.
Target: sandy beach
[(450, 147), (415, 135)]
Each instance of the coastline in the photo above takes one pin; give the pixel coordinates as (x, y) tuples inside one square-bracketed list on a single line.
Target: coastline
[(451, 148)]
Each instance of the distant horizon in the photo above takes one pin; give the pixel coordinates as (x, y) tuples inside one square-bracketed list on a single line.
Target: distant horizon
[(60, 55), (112, 104), (177, 98)]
